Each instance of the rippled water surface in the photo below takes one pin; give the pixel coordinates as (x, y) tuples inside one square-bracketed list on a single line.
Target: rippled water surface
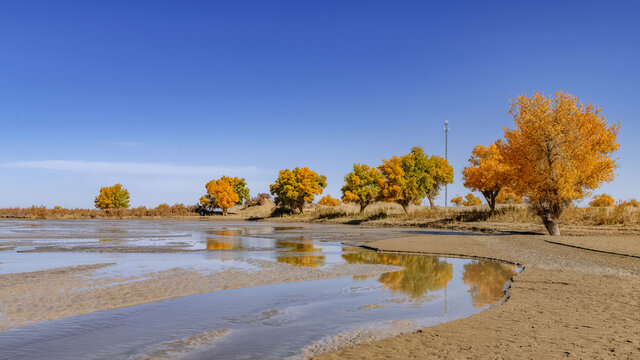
[(269, 321)]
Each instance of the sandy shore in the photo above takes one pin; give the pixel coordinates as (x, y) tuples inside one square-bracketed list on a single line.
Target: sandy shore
[(567, 303)]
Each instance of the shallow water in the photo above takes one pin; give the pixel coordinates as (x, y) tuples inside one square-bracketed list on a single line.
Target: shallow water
[(269, 321)]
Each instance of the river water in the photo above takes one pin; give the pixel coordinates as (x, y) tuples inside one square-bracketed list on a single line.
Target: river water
[(293, 319)]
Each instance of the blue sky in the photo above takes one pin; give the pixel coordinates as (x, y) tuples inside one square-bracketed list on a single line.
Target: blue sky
[(163, 96)]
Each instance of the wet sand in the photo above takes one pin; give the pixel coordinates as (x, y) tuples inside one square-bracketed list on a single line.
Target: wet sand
[(567, 303)]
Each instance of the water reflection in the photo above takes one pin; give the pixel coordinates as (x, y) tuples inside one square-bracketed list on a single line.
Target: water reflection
[(299, 245), (220, 245), (422, 274), (226, 232), (486, 280)]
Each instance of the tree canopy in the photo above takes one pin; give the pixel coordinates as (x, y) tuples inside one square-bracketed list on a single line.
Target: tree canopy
[(224, 193), (560, 150), (362, 185), (327, 200), (294, 188), (408, 179), (487, 172), (602, 200), (112, 197)]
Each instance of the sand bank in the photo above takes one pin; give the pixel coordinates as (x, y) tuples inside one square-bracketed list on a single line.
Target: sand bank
[(567, 303)]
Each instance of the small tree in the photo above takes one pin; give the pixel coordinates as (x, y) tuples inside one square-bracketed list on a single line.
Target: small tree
[(224, 193), (457, 200), (471, 200), (258, 200), (294, 188), (560, 150), (486, 173), (328, 201), (603, 200), (508, 196), (442, 175), (362, 185), (112, 197), (407, 179)]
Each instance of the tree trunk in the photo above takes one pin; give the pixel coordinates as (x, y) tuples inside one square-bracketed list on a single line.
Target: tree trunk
[(405, 206), (490, 196), (552, 225), (433, 206), (363, 205), (224, 211)]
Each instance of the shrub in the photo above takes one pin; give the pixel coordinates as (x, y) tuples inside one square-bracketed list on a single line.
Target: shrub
[(328, 201)]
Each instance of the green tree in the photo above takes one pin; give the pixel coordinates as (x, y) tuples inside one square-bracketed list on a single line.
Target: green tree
[(112, 197), (442, 175), (472, 200), (362, 185), (294, 188), (407, 179)]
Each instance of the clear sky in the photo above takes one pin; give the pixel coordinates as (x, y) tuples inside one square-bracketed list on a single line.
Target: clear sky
[(163, 96)]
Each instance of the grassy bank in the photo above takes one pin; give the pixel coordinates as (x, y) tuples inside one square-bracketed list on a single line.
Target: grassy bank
[(507, 218)]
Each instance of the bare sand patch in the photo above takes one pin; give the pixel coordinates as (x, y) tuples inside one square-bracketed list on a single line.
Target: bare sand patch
[(567, 302)]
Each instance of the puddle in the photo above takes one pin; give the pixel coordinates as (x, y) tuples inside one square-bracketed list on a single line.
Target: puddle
[(280, 319)]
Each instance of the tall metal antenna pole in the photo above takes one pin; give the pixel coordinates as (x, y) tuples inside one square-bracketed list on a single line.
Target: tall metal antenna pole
[(446, 145)]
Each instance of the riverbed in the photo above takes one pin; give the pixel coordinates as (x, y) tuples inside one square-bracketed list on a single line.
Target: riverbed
[(202, 289)]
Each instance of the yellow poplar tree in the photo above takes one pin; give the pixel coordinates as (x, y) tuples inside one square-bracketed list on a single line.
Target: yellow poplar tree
[(487, 172), (362, 185), (407, 179), (560, 150), (508, 196), (294, 188), (603, 200), (328, 201), (112, 197), (224, 193), (471, 200), (442, 175)]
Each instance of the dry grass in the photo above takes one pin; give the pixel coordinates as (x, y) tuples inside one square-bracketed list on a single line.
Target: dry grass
[(41, 212), (618, 215)]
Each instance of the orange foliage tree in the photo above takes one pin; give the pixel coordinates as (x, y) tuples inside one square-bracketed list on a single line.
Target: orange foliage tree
[(224, 193), (603, 200), (328, 201), (294, 188), (486, 173), (508, 196), (457, 200), (410, 178), (560, 150), (112, 197), (471, 200), (362, 185)]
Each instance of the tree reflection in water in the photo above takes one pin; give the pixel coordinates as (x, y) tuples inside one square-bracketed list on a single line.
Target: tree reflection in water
[(486, 280), (218, 245), (303, 245), (422, 274)]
